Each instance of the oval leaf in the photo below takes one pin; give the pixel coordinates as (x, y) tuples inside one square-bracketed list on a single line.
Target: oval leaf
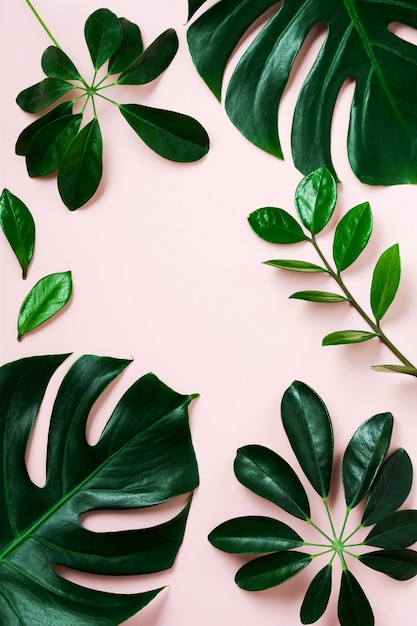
[(26, 136), (315, 199), (254, 535), (398, 564), (364, 456), (41, 95), (17, 224), (352, 235), (130, 48), (318, 296), (317, 597), (308, 427), (153, 61), (48, 146), (353, 607), (347, 336), (174, 136), (296, 266), (276, 226), (385, 281), (103, 34), (268, 475), (397, 369), (399, 530), (56, 64), (50, 294), (271, 570)]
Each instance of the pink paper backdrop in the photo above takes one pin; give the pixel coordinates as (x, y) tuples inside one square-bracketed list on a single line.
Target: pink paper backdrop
[(166, 270)]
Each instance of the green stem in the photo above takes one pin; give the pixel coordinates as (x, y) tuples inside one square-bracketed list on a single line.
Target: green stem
[(310, 521), (42, 23), (99, 95), (344, 524), (330, 517), (352, 533)]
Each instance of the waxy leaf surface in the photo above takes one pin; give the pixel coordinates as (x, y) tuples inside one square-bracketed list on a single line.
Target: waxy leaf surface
[(347, 336), (103, 34), (385, 281), (276, 226), (317, 596), (398, 564), (399, 530), (352, 235), (325, 297), (271, 570), (130, 48), (49, 145), (315, 199), (353, 607), (28, 133), (254, 535), (153, 61), (56, 64), (17, 224), (296, 266), (41, 95)]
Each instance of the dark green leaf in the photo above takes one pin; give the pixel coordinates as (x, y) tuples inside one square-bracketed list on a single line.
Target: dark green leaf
[(56, 64), (353, 607), (399, 530), (317, 596), (308, 427), (268, 475), (364, 456), (390, 489), (296, 266), (172, 135), (399, 564), (44, 300), (385, 281), (130, 48), (276, 226), (17, 224), (318, 296), (103, 34), (315, 199), (80, 171), (48, 146), (153, 61), (271, 570), (26, 136), (193, 6), (254, 535), (347, 336), (352, 235), (144, 457), (41, 95), (398, 369)]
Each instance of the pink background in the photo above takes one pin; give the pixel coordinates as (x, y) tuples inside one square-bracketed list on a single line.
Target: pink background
[(166, 270)]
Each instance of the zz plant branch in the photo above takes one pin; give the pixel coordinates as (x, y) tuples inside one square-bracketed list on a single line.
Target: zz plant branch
[(315, 201)]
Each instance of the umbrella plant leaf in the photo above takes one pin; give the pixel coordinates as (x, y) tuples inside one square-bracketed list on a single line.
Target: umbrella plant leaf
[(385, 281), (364, 456), (50, 294), (130, 48), (41, 95), (358, 45), (271, 570), (399, 530), (318, 296), (353, 607), (254, 535), (153, 61), (19, 228), (174, 136), (352, 235), (56, 64), (347, 336), (276, 226), (28, 133), (317, 596), (144, 457), (103, 34), (49, 145), (398, 564), (315, 199), (296, 266)]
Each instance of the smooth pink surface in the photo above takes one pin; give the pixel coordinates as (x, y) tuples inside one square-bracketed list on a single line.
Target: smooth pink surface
[(166, 270)]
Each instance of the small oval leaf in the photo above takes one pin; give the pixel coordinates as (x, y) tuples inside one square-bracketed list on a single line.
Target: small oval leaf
[(56, 64), (347, 336), (296, 266), (276, 225), (318, 296), (317, 596), (271, 570), (49, 145), (352, 235), (315, 199), (130, 48), (41, 95), (28, 133), (353, 607), (385, 281), (399, 530), (17, 224), (103, 35), (398, 564), (153, 61), (254, 535)]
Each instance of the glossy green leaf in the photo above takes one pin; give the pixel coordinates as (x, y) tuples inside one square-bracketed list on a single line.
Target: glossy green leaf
[(56, 64), (49, 145), (153, 61), (315, 199), (396, 369), (358, 45), (130, 48), (352, 235), (174, 136), (385, 281), (399, 530), (296, 266), (276, 226), (391, 488), (17, 223), (103, 35), (50, 294), (268, 475), (353, 607), (41, 95), (364, 456), (398, 564), (193, 6), (254, 535), (26, 136), (317, 596), (308, 427), (318, 296), (347, 336), (81, 168), (144, 457), (271, 570)]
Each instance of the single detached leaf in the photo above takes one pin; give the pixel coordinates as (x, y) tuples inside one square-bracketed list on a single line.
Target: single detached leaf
[(353, 607), (315, 199), (130, 48), (317, 596), (399, 530), (103, 34), (26, 136), (271, 570), (390, 488), (352, 235), (347, 336), (17, 224), (41, 95), (254, 535), (385, 281), (49, 145), (144, 457), (268, 475), (308, 427), (174, 136), (296, 266), (398, 564), (50, 294), (276, 226), (153, 61), (81, 168), (364, 456), (318, 296), (56, 64)]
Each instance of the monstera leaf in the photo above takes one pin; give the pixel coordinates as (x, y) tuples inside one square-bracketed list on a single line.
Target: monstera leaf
[(359, 45), (143, 457)]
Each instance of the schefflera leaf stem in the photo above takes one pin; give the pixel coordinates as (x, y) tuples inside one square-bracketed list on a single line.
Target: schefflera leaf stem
[(315, 201), (369, 474)]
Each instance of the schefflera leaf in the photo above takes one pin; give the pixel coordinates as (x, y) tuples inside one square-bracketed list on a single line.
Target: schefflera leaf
[(19, 228), (144, 457), (317, 596), (103, 35)]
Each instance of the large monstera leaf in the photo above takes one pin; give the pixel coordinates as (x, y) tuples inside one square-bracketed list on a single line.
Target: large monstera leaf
[(359, 45), (144, 457)]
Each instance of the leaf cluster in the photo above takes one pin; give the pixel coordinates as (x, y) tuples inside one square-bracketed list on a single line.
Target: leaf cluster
[(368, 474)]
